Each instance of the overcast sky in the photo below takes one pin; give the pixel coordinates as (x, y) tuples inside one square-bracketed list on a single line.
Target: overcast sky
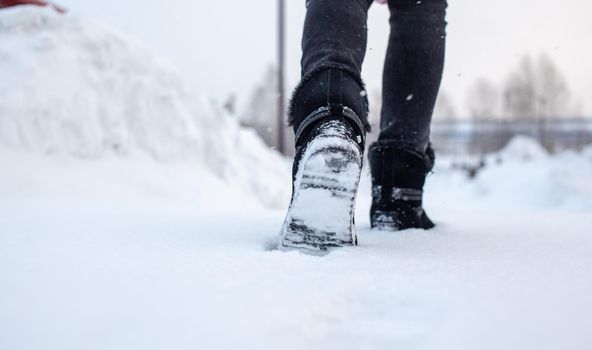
[(223, 46)]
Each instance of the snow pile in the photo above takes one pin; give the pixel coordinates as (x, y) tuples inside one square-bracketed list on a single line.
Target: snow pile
[(523, 175), (73, 86), (78, 87), (522, 148), (587, 152)]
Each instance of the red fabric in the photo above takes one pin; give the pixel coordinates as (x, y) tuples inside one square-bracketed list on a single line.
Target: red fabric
[(10, 3)]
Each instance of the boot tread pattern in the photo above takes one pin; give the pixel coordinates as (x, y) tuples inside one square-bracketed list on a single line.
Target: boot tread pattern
[(320, 216)]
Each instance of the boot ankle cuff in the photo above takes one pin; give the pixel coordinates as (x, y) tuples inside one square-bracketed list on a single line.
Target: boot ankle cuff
[(394, 167), (332, 88), (336, 112)]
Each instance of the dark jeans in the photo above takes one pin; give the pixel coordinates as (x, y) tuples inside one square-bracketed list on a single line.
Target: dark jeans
[(335, 37)]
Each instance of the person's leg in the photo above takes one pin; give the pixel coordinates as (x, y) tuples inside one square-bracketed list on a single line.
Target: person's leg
[(333, 49), (402, 157), (412, 71), (328, 111)]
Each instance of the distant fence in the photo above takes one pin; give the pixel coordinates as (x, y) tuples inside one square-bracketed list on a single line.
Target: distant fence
[(486, 136)]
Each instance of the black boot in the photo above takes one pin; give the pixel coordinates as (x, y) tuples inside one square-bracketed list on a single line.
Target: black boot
[(398, 177), (326, 171)]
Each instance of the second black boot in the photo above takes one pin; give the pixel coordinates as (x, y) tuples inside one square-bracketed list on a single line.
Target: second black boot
[(398, 177)]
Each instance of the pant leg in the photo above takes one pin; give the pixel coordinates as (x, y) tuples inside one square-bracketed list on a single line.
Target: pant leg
[(335, 35), (412, 71), (333, 49)]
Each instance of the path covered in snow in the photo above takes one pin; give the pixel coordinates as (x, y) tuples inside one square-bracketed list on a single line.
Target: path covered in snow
[(129, 264)]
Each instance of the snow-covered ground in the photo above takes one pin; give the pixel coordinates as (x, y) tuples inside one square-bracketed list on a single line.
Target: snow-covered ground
[(125, 245), (74, 86), (135, 254)]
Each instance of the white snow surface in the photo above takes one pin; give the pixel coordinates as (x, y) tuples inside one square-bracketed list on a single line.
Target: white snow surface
[(524, 175), (112, 237), (127, 254), (74, 86)]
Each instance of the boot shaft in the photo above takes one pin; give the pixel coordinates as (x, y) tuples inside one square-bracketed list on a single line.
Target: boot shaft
[(395, 167)]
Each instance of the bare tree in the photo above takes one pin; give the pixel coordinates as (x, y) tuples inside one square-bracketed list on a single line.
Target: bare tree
[(520, 98), (445, 108), (553, 95), (537, 90), (484, 100), (261, 110), (229, 104)]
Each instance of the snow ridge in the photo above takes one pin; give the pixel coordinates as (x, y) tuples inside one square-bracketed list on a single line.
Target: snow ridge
[(74, 86)]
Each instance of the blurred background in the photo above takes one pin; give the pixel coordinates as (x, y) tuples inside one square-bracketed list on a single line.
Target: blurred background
[(510, 67)]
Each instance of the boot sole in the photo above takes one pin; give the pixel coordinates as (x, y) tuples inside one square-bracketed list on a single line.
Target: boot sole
[(398, 221), (320, 216)]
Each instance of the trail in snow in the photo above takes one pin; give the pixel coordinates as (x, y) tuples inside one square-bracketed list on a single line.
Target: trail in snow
[(153, 266)]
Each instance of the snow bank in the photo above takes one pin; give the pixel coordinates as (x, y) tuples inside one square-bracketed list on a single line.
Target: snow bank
[(522, 175), (587, 152), (74, 86), (522, 148)]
